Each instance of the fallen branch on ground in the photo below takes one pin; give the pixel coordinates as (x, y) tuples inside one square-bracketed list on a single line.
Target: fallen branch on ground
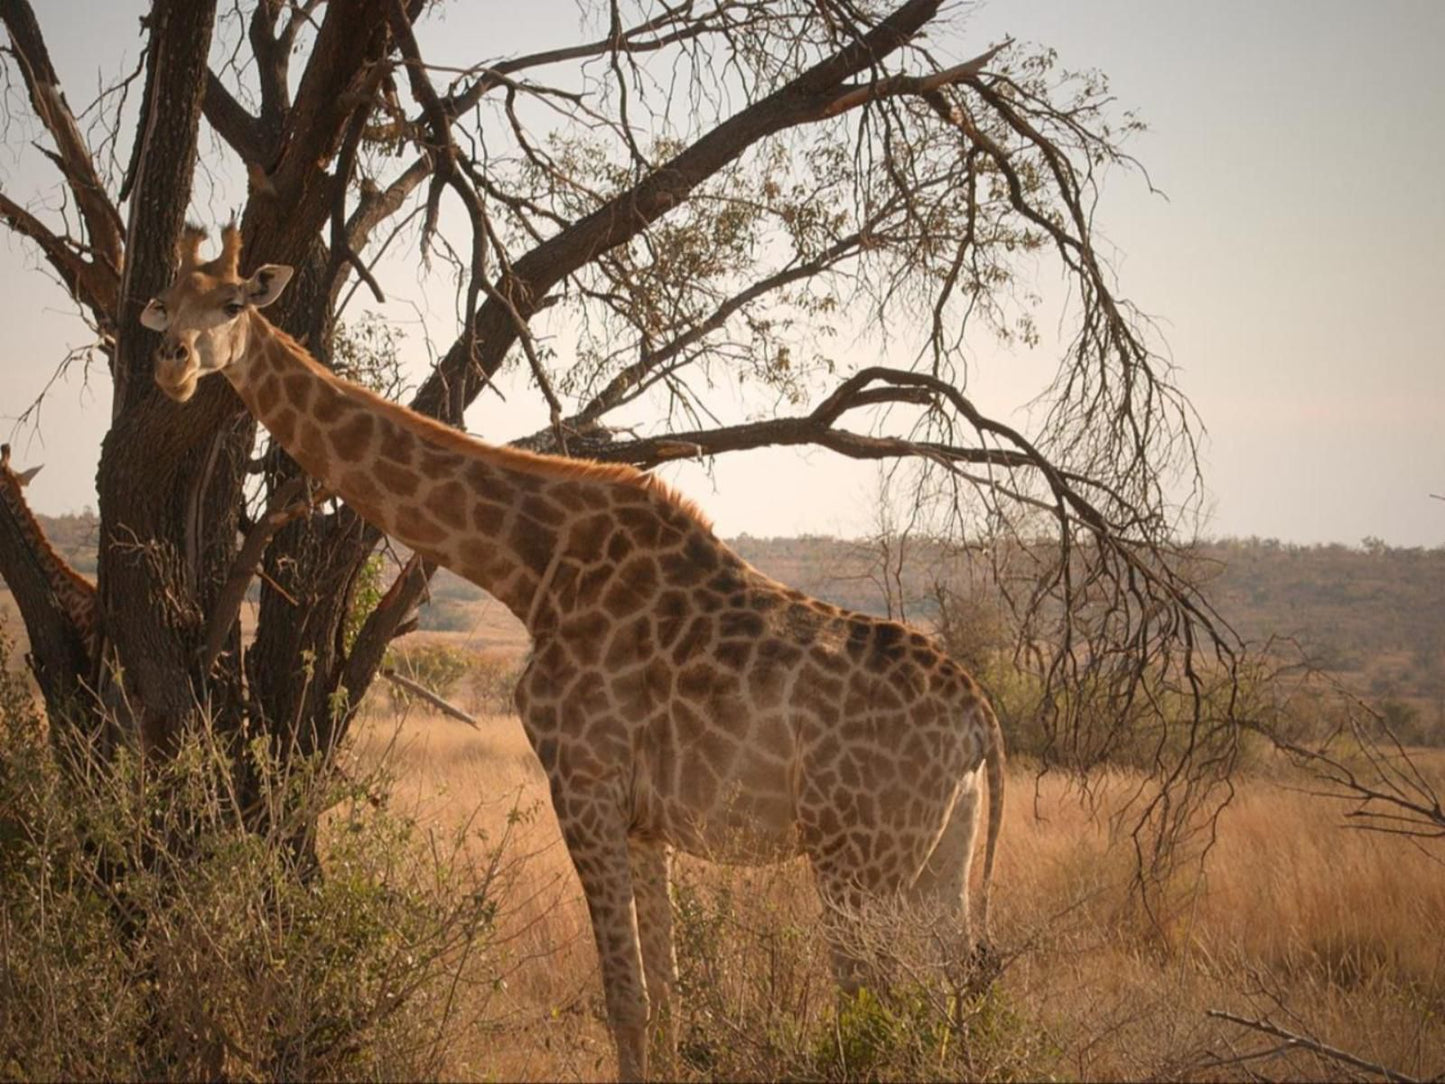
[(420, 690)]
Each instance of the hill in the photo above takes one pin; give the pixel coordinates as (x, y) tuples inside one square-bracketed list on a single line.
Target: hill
[(1373, 615)]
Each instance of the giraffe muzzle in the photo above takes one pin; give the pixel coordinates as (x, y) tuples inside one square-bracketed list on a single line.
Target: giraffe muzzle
[(177, 370)]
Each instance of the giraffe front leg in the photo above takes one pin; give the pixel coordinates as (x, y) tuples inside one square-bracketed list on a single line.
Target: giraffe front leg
[(651, 886), (597, 842)]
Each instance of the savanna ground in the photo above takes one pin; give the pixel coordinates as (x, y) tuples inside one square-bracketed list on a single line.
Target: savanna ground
[(1292, 917)]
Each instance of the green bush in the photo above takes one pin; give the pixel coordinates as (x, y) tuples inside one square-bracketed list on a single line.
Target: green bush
[(758, 1000), (150, 927)]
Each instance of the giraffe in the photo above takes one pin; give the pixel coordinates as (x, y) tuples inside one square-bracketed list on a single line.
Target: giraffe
[(676, 697), (74, 593)]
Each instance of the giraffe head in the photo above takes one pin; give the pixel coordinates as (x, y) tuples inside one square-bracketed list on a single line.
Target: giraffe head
[(203, 314), (9, 478)]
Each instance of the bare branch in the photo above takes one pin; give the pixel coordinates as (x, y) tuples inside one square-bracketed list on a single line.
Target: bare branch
[(802, 99), (103, 225), (1304, 1042), (91, 283), (417, 689)]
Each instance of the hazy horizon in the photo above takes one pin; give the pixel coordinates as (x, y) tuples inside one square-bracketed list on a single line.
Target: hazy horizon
[(1293, 267)]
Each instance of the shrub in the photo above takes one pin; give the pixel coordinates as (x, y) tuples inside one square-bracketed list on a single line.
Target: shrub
[(758, 1000), (492, 684), (152, 928)]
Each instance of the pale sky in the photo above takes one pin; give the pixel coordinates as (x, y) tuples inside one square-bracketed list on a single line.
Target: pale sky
[(1297, 267)]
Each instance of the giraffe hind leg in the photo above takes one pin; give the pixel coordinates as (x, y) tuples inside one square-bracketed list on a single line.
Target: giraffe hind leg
[(651, 886), (598, 846)]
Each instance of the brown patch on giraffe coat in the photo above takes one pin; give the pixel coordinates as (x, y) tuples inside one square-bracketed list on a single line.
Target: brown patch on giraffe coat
[(619, 547), (330, 405), (743, 623), (398, 480), (633, 587), (718, 748), (488, 480), (315, 450), (584, 635), (733, 654), (694, 640), (282, 425), (678, 569), (533, 545), (630, 643), (671, 611), (298, 388), (542, 511), (641, 691), (488, 518), (396, 444), (268, 394), (351, 439), (591, 584), (779, 653), (767, 681), (688, 721), (828, 661), (416, 527), (440, 462), (475, 556), (576, 497), (646, 529), (448, 502), (587, 537), (358, 485)]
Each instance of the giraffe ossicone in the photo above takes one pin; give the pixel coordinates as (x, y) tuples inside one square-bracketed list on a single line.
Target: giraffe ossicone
[(676, 697)]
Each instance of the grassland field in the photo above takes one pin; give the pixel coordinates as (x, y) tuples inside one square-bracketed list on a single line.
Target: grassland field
[(1290, 916)]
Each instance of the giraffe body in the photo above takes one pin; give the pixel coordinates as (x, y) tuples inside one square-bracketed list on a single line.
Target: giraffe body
[(676, 697)]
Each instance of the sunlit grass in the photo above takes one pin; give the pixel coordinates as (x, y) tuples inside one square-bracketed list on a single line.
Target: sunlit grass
[(1328, 931)]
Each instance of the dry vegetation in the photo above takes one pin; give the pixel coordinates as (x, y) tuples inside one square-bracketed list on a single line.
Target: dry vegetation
[(1327, 932), (1290, 916)]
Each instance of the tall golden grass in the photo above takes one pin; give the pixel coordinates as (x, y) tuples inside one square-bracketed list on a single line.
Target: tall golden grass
[(1290, 916)]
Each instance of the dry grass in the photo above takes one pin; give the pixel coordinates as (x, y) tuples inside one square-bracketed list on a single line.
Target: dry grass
[(1329, 932)]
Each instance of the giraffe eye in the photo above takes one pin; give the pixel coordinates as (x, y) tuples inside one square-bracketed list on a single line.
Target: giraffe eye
[(233, 308)]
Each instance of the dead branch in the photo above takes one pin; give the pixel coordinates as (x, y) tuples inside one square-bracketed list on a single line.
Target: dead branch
[(1293, 1041), (417, 689), (1394, 798), (102, 221), (91, 283)]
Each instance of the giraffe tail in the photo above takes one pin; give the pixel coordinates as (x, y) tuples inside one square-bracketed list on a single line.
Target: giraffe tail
[(994, 760)]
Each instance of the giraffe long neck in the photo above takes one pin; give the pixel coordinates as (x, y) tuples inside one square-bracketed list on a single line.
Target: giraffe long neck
[(453, 499), (73, 591)]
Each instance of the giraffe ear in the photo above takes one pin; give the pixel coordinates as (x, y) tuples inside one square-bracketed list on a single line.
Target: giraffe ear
[(24, 476), (266, 284), (153, 316)]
